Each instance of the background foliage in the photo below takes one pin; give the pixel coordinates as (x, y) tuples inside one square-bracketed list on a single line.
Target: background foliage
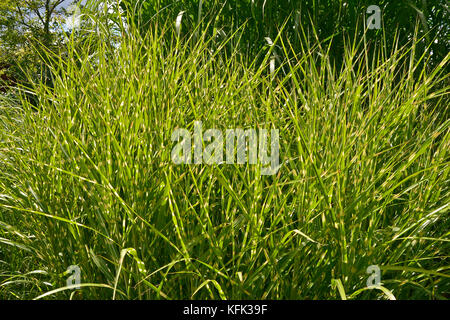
[(319, 19)]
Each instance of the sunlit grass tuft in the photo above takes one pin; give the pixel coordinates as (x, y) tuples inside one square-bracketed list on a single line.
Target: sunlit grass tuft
[(87, 178)]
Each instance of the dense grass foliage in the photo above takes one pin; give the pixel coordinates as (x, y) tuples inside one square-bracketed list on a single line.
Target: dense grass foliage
[(322, 18), (86, 177)]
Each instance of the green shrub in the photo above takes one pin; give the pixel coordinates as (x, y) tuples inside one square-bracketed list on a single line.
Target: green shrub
[(88, 179)]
